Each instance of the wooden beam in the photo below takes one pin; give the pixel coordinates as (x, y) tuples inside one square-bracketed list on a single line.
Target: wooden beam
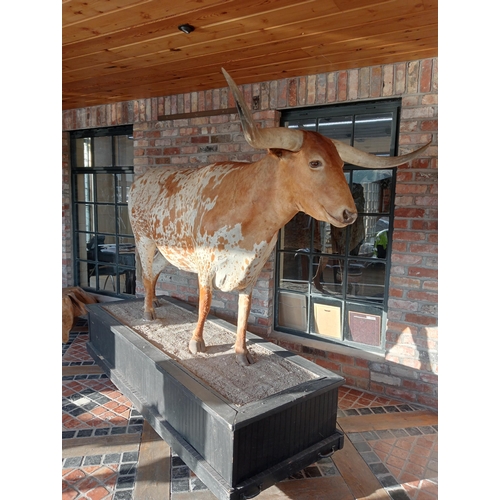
[(153, 467), (81, 370), (386, 421), (83, 447), (357, 474)]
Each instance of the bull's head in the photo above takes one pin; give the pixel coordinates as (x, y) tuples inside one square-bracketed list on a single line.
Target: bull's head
[(317, 185)]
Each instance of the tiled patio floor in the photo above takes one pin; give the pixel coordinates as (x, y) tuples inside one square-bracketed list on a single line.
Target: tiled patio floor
[(102, 431)]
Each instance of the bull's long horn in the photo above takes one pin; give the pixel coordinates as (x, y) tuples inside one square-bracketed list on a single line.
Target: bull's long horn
[(361, 159), (279, 138)]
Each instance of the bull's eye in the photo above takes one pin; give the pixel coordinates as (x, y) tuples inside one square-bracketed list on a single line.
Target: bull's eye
[(315, 164)]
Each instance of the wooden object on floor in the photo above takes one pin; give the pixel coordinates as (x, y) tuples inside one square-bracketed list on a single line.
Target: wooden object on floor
[(153, 467)]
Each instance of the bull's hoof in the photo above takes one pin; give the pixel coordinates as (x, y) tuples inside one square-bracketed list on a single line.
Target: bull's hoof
[(196, 346), (149, 315), (244, 359)]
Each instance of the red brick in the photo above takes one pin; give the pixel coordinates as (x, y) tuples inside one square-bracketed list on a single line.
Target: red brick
[(411, 213), (171, 151), (340, 358), (400, 246), (401, 394), (376, 81), (342, 85), (404, 176), (422, 272), (429, 125), (402, 224), (420, 319), (408, 259), (311, 89), (419, 248), (352, 371), (395, 293), (425, 225), (328, 364), (425, 75), (428, 201), (405, 282), (409, 235), (426, 400)]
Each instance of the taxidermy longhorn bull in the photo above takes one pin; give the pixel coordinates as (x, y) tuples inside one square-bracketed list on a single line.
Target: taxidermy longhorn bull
[(221, 221)]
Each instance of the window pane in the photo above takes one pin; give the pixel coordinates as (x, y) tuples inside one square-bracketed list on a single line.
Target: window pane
[(84, 187), (366, 280), (83, 274), (305, 124), (123, 183), (82, 154), (102, 151), (327, 319), (294, 271), (123, 220), (124, 150), (85, 215), (292, 311), (339, 127), (373, 190), (372, 133), (327, 278), (375, 233), (127, 244), (296, 233), (334, 240), (106, 219), (364, 325), (105, 188)]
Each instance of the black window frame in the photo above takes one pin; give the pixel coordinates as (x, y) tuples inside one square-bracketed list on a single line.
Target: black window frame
[(117, 264), (347, 303)]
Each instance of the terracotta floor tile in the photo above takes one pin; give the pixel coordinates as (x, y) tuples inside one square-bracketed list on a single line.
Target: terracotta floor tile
[(412, 460), (69, 493), (396, 462), (99, 493)]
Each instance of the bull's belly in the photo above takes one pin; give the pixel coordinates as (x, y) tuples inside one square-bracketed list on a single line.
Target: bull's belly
[(227, 270), (180, 258), (233, 270)]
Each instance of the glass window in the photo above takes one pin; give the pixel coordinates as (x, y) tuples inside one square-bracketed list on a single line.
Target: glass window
[(333, 283), (102, 172)]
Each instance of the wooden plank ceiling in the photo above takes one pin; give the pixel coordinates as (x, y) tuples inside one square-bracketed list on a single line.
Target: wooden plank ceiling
[(118, 50)]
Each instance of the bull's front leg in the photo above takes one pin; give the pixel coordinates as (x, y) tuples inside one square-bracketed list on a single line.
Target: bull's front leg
[(197, 344), (146, 250), (243, 357)]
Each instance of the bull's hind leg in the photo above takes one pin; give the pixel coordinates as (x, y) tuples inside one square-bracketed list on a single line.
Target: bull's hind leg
[(159, 264), (243, 357), (197, 344), (146, 250)]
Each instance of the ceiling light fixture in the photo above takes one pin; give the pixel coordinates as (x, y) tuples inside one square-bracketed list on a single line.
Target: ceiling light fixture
[(186, 28)]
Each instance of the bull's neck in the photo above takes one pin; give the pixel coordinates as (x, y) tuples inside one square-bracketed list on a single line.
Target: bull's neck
[(269, 195)]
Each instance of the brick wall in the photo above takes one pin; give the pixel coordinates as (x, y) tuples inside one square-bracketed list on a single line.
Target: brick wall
[(409, 369), (67, 270)]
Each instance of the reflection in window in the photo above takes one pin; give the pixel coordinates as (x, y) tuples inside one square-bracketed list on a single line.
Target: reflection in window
[(332, 283)]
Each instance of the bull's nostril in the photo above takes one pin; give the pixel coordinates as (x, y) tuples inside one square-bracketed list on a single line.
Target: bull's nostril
[(349, 216)]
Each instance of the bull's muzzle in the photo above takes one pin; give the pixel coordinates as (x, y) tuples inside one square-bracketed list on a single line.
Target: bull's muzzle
[(349, 217)]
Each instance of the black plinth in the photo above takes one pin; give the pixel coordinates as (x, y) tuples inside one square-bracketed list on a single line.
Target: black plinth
[(236, 451)]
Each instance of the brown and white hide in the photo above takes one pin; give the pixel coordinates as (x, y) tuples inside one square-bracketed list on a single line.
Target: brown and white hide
[(73, 306)]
